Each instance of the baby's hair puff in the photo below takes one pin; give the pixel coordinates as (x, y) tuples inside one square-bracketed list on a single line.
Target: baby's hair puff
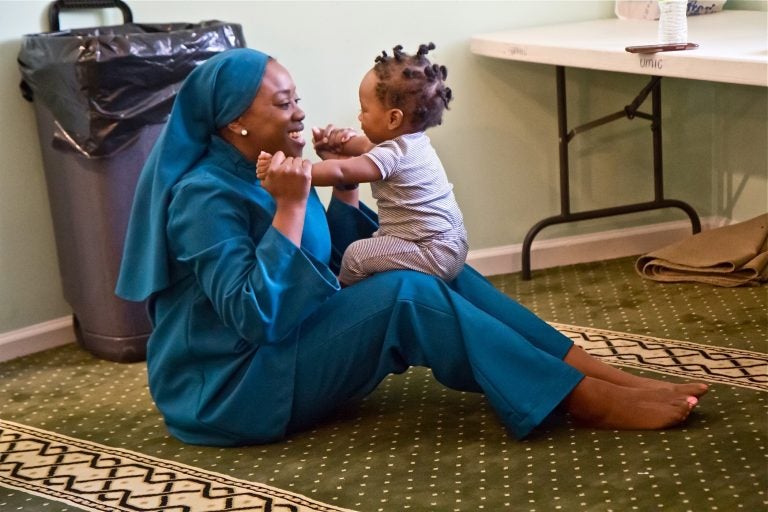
[(414, 85)]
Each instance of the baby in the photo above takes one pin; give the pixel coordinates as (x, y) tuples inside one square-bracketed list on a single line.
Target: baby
[(420, 223)]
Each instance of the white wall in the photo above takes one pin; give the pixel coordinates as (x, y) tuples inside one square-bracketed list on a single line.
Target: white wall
[(498, 141)]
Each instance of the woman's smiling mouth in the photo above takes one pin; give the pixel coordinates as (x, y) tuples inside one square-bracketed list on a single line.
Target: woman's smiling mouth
[(297, 137)]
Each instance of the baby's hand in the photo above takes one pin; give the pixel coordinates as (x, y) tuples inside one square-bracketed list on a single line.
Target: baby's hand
[(331, 138), (262, 164), (319, 136)]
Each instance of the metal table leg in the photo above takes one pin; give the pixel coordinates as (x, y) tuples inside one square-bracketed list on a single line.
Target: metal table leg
[(630, 112)]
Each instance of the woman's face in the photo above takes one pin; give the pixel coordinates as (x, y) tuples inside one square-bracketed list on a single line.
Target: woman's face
[(274, 119)]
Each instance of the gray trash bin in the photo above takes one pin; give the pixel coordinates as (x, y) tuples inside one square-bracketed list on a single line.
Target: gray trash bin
[(101, 97)]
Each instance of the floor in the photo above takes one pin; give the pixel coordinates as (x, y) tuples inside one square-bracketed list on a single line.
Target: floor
[(413, 445)]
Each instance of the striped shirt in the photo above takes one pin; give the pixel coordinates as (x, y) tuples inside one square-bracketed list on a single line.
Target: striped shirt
[(414, 197)]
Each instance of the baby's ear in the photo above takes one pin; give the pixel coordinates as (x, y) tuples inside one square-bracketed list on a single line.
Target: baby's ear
[(395, 118)]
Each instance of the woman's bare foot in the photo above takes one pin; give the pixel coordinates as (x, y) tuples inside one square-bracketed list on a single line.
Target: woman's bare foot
[(696, 389), (593, 367), (602, 404)]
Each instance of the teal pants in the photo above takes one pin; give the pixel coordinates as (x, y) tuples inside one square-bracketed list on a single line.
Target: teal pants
[(472, 337)]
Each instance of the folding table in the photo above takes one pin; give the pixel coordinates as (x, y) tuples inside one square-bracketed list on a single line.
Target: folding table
[(733, 48)]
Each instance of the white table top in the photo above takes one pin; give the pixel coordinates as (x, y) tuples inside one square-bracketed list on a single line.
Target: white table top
[(733, 47)]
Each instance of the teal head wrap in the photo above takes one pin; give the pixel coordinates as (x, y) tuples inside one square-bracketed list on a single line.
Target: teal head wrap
[(213, 95)]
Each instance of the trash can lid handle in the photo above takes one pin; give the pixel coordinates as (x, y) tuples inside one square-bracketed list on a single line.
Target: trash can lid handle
[(61, 5)]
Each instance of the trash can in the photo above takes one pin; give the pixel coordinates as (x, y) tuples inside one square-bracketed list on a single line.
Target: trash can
[(101, 97)]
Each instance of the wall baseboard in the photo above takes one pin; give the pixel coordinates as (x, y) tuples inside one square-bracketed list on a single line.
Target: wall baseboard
[(599, 246), (36, 338), (496, 260)]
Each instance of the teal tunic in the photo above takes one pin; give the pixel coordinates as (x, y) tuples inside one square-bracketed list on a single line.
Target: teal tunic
[(254, 339)]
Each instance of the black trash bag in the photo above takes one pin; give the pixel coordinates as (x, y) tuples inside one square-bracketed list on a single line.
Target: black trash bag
[(104, 84)]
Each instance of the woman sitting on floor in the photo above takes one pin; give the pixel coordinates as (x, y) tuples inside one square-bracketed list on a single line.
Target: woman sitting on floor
[(253, 337)]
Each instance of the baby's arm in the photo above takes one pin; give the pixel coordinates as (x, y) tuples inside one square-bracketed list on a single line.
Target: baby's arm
[(356, 146), (332, 172), (347, 171)]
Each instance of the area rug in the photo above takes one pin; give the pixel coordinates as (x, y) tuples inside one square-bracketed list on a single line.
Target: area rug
[(92, 476), (82, 434), (691, 361)]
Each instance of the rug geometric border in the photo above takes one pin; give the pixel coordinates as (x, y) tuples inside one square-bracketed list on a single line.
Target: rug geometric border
[(731, 366), (92, 476)]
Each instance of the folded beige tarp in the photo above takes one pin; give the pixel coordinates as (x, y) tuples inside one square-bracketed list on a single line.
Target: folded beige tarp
[(733, 255)]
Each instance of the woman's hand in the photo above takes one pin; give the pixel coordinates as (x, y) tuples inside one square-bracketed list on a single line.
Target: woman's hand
[(285, 178), (288, 180)]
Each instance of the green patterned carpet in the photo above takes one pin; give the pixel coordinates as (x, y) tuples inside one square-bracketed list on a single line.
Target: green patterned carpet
[(80, 433)]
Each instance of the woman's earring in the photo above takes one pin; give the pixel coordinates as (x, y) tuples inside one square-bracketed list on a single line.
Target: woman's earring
[(243, 132)]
